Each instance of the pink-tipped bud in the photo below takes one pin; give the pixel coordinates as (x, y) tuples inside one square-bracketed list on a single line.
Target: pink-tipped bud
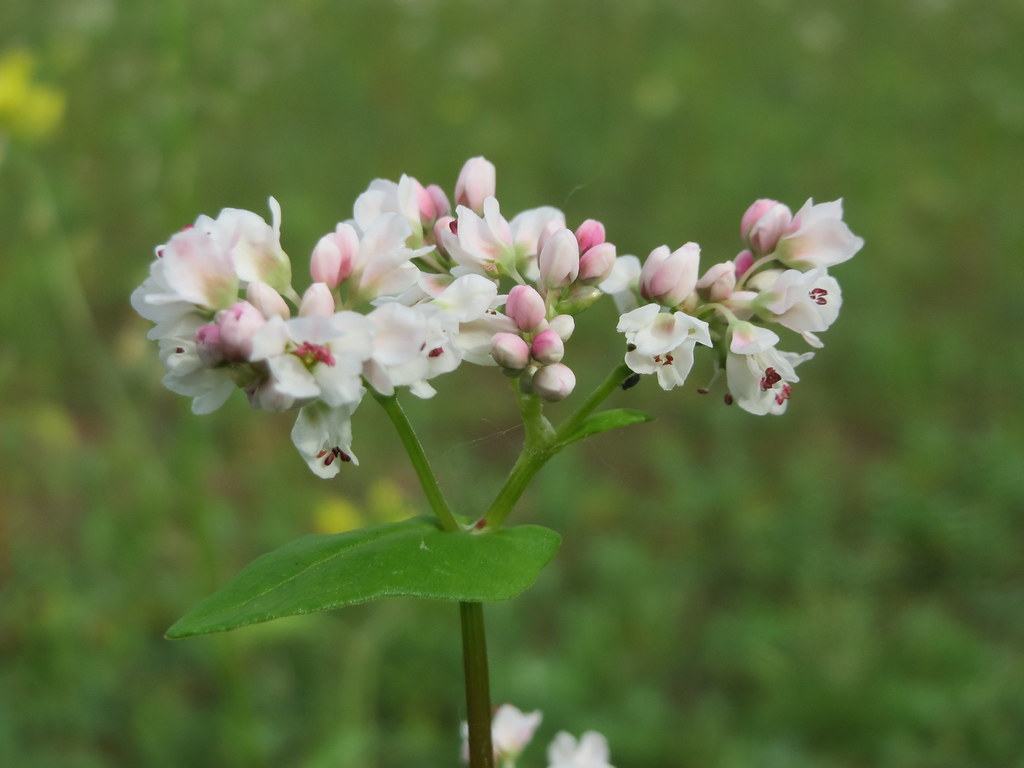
[(744, 260), (525, 307), (444, 228), (597, 263), (317, 301), (510, 351), (334, 256), (554, 382), (589, 234), (237, 324), (547, 347), (208, 345), (433, 203), (669, 277), (559, 260), (267, 300), (477, 182), (718, 282), (764, 223)]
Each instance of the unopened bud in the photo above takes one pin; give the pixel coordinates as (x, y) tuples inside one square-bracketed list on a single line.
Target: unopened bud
[(317, 301), (268, 301), (477, 182), (669, 277), (237, 324), (559, 260), (554, 382), (334, 256), (744, 260), (589, 234), (208, 345), (525, 307), (597, 263), (764, 223), (719, 281), (510, 351), (433, 203), (563, 325), (547, 347)]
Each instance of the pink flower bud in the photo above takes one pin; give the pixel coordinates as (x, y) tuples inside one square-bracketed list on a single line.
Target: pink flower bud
[(237, 324), (208, 345), (317, 301), (597, 263), (477, 182), (719, 281), (744, 261), (764, 223), (589, 234), (510, 351), (525, 307), (547, 347), (268, 301), (334, 256), (433, 203), (444, 227), (559, 260), (554, 382), (669, 277)]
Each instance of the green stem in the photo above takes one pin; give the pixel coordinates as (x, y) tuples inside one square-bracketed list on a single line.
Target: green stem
[(542, 443), (419, 460), (478, 688)]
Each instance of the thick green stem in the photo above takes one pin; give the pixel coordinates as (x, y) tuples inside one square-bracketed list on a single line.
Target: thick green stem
[(478, 687), (419, 461)]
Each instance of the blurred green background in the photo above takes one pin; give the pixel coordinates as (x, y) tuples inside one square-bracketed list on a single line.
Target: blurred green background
[(840, 587)]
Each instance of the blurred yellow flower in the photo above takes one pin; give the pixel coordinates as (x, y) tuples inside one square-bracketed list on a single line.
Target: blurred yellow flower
[(384, 504), (28, 110)]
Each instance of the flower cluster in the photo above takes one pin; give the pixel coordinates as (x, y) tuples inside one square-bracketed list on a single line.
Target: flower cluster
[(781, 278), (512, 730), (407, 289)]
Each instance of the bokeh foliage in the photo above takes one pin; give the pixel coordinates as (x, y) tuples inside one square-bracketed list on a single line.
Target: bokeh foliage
[(841, 587)]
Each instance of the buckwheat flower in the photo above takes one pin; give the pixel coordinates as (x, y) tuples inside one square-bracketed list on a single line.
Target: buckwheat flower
[(189, 372), (191, 273), (316, 357), (668, 277), (237, 325), (662, 343), (525, 307), (596, 264), (317, 301), (591, 751), (383, 265), (804, 302), (547, 347), (385, 196), (759, 376), (511, 731), (817, 238), (268, 301), (718, 283), (323, 436), (623, 283), (334, 256), (559, 260), (254, 246), (554, 382)]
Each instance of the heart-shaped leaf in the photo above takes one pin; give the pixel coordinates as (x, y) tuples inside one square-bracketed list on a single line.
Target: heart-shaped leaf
[(414, 558)]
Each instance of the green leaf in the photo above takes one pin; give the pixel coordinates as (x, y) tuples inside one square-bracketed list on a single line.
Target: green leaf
[(605, 420), (414, 558)]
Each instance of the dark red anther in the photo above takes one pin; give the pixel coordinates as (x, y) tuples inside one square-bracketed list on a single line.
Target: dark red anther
[(453, 226), (328, 459), (818, 296), (728, 398), (341, 454), (436, 352), (702, 391), (770, 379), (179, 350), (321, 454), (784, 394), (480, 524)]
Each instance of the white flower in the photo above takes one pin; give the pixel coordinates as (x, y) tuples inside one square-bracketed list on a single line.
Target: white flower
[(591, 751), (323, 435), (511, 731), (623, 283), (385, 196), (316, 357), (817, 238), (661, 342), (759, 376), (191, 273), (803, 302), (383, 265), (187, 374), (254, 246)]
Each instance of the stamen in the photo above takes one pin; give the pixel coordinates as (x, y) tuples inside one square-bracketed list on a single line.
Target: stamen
[(453, 226), (770, 379), (311, 354), (728, 398), (784, 394), (818, 296), (436, 352)]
